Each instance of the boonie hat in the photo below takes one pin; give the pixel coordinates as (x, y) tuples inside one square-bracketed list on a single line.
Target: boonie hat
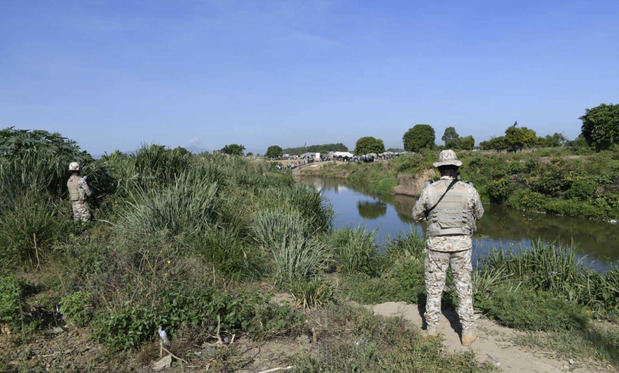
[(74, 166), (447, 158)]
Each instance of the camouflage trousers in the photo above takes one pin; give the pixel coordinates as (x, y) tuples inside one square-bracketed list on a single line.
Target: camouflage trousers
[(81, 211), (436, 265)]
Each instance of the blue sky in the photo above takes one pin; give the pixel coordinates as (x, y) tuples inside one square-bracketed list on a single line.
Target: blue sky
[(115, 74)]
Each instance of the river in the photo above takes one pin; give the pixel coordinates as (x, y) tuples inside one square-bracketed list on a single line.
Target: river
[(501, 227)]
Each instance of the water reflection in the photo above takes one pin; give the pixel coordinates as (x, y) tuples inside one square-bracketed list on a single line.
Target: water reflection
[(500, 226), (371, 209)]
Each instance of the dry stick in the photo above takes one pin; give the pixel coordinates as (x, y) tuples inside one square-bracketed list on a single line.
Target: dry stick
[(218, 328), (277, 369), (36, 250), (174, 356)]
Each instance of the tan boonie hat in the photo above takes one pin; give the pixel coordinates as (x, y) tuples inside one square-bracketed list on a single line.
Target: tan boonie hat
[(447, 158), (74, 166)]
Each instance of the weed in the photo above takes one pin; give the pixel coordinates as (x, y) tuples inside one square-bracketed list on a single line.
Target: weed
[(77, 308), (12, 305)]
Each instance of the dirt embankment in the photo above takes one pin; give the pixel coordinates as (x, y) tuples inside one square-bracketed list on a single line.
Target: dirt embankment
[(412, 185)]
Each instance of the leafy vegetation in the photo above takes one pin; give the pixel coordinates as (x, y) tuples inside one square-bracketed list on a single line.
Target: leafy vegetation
[(421, 136), (233, 149), (369, 144), (274, 151), (324, 148), (600, 126)]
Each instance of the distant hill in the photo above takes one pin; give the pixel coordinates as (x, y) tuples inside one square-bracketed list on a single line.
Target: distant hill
[(325, 148), (195, 149)]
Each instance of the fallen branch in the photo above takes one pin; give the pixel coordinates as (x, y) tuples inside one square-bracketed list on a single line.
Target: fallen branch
[(277, 369)]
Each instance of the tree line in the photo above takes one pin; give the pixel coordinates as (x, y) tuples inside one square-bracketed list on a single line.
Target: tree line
[(599, 130)]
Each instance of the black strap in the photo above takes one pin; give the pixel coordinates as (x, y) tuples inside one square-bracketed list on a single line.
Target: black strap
[(455, 180)]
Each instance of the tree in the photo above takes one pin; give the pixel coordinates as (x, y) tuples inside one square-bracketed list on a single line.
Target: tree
[(519, 138), (466, 143), (600, 126), (369, 144), (553, 141), (419, 137), (451, 137), (274, 151), (324, 148), (233, 149), (495, 143)]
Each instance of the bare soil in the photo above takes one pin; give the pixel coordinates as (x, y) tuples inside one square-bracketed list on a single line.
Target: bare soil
[(495, 343)]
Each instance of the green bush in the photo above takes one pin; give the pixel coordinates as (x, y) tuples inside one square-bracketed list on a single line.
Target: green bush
[(12, 305), (499, 190), (356, 250), (77, 308), (286, 236), (526, 199), (582, 189), (188, 205), (526, 309)]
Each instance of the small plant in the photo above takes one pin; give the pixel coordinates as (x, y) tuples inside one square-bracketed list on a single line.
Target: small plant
[(76, 307), (12, 305), (312, 293)]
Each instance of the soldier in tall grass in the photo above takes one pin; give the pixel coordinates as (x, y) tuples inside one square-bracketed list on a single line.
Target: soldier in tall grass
[(78, 192)]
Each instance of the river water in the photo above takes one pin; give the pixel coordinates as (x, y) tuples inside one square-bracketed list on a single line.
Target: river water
[(501, 227)]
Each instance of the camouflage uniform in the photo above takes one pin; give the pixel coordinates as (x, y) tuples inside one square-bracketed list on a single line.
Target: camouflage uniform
[(443, 251), (78, 191)]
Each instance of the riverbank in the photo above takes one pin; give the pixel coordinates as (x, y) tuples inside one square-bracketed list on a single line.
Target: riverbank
[(242, 269), (552, 182)]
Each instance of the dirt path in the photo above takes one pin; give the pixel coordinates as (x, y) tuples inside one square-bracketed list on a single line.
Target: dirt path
[(494, 344)]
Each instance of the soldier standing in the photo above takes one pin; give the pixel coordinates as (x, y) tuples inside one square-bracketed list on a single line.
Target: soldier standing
[(451, 208), (78, 191)]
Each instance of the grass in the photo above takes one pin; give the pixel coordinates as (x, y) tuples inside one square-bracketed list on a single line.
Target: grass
[(597, 342)]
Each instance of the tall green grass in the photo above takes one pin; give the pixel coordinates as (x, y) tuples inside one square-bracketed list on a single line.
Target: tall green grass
[(356, 250), (188, 205), (286, 235), (556, 269)]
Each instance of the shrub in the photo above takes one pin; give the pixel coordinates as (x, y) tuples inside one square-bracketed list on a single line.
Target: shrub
[(356, 250), (188, 205), (285, 235), (77, 308), (582, 189), (155, 164), (499, 190), (526, 199)]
